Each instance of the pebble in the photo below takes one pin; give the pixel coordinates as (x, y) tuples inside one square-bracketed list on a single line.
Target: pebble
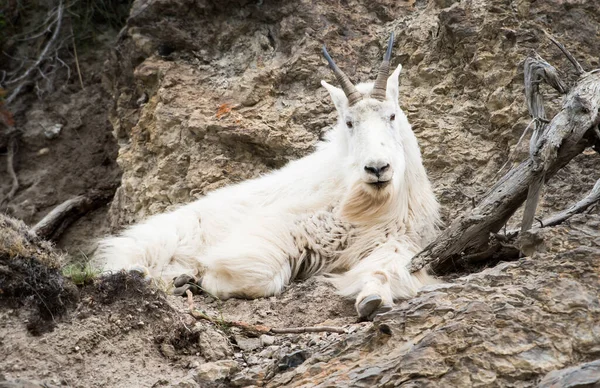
[(267, 340), (53, 131), (248, 344), (168, 350)]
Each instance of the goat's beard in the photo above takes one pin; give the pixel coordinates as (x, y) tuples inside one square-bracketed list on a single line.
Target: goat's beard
[(365, 204)]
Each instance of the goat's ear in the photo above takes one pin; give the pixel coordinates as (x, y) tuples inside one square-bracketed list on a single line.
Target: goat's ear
[(392, 85), (337, 95)]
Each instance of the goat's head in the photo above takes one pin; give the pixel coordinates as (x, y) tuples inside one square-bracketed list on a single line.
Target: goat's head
[(372, 124)]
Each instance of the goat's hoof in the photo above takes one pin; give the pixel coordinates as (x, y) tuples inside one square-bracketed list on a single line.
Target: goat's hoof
[(181, 291), (381, 310), (142, 271), (183, 279), (185, 282), (368, 306)]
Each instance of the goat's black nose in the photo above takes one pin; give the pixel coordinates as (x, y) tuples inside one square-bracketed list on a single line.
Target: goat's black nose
[(377, 170)]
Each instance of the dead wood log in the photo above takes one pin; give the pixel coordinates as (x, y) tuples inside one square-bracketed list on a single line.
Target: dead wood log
[(58, 220), (566, 136)]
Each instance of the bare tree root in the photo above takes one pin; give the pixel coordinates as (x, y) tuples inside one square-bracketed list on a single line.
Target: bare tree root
[(470, 238), (256, 330), (58, 220)]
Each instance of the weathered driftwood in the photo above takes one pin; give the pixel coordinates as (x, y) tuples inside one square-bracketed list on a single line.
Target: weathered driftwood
[(537, 70), (55, 222), (566, 136)]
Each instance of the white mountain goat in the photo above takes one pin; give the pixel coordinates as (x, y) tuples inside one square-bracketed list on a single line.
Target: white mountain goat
[(357, 209)]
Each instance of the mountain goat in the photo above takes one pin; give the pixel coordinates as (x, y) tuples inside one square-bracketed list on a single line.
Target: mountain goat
[(356, 209)]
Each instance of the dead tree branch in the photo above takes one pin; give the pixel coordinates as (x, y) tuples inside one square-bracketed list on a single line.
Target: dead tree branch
[(566, 136), (256, 330), (58, 220), (23, 77), (537, 70), (592, 198), (578, 68)]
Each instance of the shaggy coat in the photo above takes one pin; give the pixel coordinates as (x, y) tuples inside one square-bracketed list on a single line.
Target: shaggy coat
[(323, 214)]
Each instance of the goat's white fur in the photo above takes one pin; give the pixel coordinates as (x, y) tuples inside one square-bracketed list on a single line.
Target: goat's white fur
[(317, 215)]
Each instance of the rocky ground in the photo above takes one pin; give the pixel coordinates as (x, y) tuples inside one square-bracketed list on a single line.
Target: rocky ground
[(201, 94)]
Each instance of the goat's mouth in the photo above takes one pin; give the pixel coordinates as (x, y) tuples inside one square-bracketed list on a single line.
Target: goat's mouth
[(379, 185)]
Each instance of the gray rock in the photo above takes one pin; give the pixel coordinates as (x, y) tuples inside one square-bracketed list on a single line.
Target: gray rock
[(20, 383), (248, 344), (168, 350), (215, 371), (214, 345), (267, 340), (582, 375), (292, 360)]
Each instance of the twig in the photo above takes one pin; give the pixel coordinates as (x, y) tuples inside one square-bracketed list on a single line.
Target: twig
[(578, 68), (308, 329), (11, 169), (509, 159), (76, 58), (590, 199), (258, 329), (39, 60)]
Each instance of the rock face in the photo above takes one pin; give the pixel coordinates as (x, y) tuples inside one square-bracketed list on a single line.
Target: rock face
[(209, 93), (506, 326)]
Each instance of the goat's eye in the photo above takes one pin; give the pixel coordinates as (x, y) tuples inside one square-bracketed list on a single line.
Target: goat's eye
[(392, 117), (349, 124)]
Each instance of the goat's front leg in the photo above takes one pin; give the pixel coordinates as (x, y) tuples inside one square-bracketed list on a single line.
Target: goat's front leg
[(380, 278)]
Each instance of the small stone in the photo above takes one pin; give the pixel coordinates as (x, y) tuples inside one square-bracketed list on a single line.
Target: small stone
[(248, 344), (268, 352), (77, 348), (43, 151), (218, 370), (267, 340), (214, 345), (292, 360), (168, 350), (253, 360), (249, 377), (53, 131)]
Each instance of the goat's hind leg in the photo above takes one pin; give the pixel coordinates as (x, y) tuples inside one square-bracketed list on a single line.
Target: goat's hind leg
[(252, 262)]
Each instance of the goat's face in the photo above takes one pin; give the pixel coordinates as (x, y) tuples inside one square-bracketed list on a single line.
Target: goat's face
[(372, 136)]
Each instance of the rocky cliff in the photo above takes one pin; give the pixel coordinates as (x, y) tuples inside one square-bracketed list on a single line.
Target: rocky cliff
[(209, 93)]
